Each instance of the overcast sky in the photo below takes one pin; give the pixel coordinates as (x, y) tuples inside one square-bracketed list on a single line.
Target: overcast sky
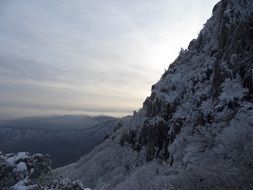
[(89, 56)]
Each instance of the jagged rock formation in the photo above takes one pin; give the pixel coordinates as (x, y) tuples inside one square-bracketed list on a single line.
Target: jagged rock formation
[(22, 171), (216, 70), (195, 131)]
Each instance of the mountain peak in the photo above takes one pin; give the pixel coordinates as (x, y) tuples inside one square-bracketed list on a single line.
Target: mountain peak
[(195, 129)]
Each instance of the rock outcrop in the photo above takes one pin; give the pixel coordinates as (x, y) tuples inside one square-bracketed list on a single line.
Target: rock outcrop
[(22, 171)]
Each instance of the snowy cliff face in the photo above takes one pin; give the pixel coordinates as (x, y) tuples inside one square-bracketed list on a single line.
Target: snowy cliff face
[(195, 131)]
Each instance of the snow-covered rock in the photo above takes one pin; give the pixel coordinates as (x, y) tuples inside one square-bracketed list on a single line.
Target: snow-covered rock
[(22, 171)]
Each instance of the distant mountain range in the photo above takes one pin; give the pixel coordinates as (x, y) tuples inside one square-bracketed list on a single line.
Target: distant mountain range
[(64, 138)]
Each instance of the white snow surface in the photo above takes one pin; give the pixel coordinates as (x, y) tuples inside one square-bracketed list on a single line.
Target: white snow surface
[(21, 167), (19, 156)]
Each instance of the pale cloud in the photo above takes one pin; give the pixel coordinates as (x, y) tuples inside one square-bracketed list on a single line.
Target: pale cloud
[(83, 56)]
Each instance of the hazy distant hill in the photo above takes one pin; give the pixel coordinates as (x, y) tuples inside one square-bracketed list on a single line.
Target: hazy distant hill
[(65, 138)]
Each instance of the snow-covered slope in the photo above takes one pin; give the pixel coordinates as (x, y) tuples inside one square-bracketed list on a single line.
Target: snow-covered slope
[(195, 131)]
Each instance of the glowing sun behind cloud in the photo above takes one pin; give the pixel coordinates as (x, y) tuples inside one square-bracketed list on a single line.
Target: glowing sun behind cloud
[(83, 56)]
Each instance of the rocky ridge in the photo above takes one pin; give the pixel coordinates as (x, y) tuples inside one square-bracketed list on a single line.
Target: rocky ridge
[(195, 130)]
